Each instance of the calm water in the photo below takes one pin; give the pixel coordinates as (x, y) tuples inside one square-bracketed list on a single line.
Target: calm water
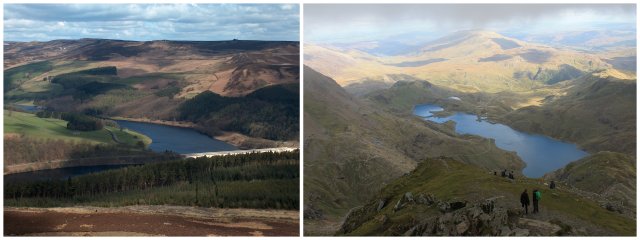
[(58, 173), (541, 153), (177, 139), (28, 108)]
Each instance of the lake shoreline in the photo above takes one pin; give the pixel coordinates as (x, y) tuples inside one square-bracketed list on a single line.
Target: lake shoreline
[(236, 139), (542, 154)]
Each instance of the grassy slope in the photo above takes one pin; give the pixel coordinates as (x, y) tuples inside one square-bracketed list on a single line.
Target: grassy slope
[(449, 179), (608, 173), (30, 125), (605, 106), (16, 76)]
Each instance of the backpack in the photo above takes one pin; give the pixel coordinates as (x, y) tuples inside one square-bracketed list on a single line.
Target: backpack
[(538, 195)]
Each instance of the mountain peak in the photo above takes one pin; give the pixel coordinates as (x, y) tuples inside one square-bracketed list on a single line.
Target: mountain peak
[(480, 33), (471, 39)]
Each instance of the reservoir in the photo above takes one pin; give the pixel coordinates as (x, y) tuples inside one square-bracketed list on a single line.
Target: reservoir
[(176, 139), (541, 153), (57, 173)]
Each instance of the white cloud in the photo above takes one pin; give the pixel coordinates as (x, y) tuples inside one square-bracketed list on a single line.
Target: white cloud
[(151, 21)]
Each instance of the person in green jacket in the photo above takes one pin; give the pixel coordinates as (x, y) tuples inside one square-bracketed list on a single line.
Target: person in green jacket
[(537, 195)]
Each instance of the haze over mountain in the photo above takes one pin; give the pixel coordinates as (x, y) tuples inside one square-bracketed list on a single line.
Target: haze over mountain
[(469, 61)]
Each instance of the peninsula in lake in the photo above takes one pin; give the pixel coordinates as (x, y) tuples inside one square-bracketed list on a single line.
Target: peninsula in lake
[(470, 120), (111, 129)]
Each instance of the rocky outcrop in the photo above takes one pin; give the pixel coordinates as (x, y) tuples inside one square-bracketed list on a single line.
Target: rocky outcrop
[(461, 219), (435, 217)]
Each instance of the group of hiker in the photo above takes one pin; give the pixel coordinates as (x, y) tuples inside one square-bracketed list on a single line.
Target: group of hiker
[(524, 200), (505, 174), (536, 195)]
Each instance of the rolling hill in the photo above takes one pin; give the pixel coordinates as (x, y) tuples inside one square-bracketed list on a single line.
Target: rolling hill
[(597, 111), (469, 61), (226, 67), (155, 80)]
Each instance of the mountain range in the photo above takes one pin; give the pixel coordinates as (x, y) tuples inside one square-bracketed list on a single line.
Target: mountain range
[(469, 61)]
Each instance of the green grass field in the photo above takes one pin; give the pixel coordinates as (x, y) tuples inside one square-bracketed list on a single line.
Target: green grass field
[(48, 128)]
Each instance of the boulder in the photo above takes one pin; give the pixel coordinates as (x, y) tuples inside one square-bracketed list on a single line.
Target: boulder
[(427, 199), (462, 228), (505, 231), (488, 205), (466, 221), (444, 206), (613, 207), (518, 232), (408, 196), (538, 227), (381, 204)]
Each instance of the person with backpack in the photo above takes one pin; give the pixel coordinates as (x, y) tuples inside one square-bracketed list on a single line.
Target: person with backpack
[(537, 195), (524, 200), (552, 185)]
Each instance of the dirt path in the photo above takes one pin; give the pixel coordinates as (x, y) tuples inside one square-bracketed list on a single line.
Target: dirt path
[(149, 221)]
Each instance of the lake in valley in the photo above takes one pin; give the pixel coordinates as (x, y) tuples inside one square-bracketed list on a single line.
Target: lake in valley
[(541, 153)]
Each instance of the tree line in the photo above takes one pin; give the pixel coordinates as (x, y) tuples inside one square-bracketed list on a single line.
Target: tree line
[(256, 180), (75, 121), (23, 149), (271, 112)]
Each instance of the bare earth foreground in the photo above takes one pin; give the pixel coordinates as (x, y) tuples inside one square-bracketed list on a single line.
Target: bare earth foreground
[(149, 221)]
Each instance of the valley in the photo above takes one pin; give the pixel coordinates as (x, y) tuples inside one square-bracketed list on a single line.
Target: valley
[(88, 112), (140, 119), (563, 107)]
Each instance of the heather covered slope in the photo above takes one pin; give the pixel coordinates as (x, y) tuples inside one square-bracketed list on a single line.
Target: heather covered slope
[(157, 80), (231, 68)]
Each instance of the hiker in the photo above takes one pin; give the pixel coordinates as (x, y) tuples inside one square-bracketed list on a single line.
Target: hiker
[(536, 198), (511, 175), (504, 173), (524, 199), (495, 173), (552, 185)]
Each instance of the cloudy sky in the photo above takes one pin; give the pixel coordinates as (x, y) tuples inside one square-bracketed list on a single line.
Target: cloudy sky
[(357, 22), (42, 22)]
